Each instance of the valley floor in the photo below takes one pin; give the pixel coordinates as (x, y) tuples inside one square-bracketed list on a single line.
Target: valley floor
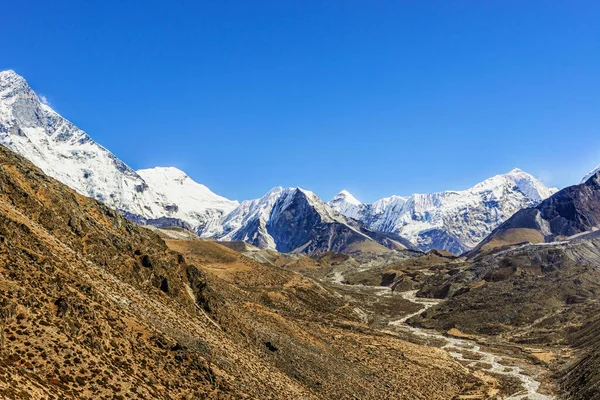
[(493, 369), (507, 374)]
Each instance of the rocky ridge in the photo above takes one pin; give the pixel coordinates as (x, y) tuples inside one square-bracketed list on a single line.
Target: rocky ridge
[(295, 220)]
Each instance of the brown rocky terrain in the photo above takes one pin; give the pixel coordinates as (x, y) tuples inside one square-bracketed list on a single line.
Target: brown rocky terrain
[(381, 284), (542, 289), (93, 306), (541, 299), (535, 281)]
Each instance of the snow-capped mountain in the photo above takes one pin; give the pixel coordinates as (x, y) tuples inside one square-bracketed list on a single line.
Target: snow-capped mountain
[(288, 220), (573, 212), (66, 153), (453, 220), (284, 219), (186, 200), (346, 204), (296, 220)]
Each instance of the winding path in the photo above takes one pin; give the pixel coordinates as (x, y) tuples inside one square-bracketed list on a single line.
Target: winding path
[(530, 385)]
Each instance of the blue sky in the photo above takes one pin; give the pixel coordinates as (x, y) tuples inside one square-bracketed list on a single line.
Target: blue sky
[(377, 97)]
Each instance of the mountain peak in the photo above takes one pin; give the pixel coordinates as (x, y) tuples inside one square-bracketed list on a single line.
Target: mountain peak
[(527, 184), (515, 171), (347, 197), (164, 195), (9, 73), (422, 218), (10, 79)]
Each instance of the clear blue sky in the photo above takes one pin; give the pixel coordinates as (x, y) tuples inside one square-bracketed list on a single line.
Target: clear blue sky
[(377, 97)]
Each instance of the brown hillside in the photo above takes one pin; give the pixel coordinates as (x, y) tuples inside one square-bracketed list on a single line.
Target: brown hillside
[(93, 306)]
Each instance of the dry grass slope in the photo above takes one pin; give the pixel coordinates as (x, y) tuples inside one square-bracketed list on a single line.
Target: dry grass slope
[(95, 307)]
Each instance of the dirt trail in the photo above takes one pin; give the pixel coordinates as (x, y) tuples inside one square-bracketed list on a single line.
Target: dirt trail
[(454, 346)]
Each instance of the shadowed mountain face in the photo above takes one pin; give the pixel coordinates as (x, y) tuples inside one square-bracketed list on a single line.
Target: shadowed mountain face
[(571, 211), (297, 226), (93, 306)]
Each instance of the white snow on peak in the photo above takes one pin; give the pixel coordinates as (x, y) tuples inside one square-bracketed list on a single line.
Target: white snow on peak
[(167, 172), (345, 203), (186, 199), (66, 153), (348, 197), (450, 220), (10, 78), (526, 183), (248, 222), (590, 174)]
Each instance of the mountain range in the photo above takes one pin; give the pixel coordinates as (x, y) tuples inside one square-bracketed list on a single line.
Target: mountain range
[(287, 220), (455, 221), (94, 306)]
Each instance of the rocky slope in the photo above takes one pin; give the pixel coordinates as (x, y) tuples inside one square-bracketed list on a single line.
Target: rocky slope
[(544, 296), (572, 211), (581, 379), (93, 306), (63, 151), (541, 289), (455, 221)]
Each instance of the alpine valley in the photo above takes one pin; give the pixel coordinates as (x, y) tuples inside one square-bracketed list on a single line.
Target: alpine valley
[(124, 284)]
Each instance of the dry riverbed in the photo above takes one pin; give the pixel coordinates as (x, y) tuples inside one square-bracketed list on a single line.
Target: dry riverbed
[(507, 375)]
